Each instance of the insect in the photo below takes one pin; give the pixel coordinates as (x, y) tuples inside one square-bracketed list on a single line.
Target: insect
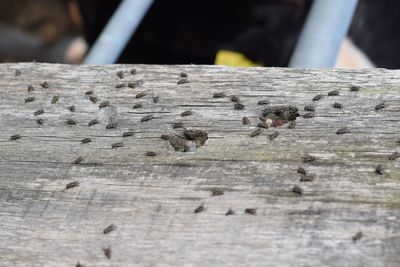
[(179, 144), (90, 92), (354, 88), (380, 106), (135, 84), (235, 99), (120, 85), (229, 212), (183, 81), (40, 121), (251, 211), (277, 122), (217, 192), (137, 106), (29, 99), (302, 170), (343, 130), (307, 178), (71, 122), (246, 121), (273, 136), (292, 125), (127, 134), (133, 71), (119, 144), (38, 112), (147, 118), (337, 105), (199, 209), (156, 99), (15, 137), (183, 75), (309, 115), (140, 95), (263, 102), (333, 93), (309, 108), (308, 158), (394, 156), (72, 185), (77, 160), (78, 264), (238, 106), (199, 136), (17, 73), (72, 108), (186, 113), (151, 154), (219, 95), (93, 122), (177, 125), (379, 169), (297, 190), (45, 85), (104, 104), (262, 125), (317, 97), (107, 252), (86, 140), (357, 236), (109, 229), (120, 74), (112, 125), (285, 112), (55, 99), (93, 99), (257, 132), (30, 88)]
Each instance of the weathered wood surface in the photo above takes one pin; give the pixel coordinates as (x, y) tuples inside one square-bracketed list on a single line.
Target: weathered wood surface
[(151, 200)]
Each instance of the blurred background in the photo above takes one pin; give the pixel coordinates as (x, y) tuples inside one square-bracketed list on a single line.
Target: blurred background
[(227, 32)]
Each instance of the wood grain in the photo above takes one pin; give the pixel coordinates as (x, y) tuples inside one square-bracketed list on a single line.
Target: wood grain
[(151, 200)]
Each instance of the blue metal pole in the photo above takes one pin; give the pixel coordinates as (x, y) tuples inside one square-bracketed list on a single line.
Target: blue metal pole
[(324, 30), (118, 31)]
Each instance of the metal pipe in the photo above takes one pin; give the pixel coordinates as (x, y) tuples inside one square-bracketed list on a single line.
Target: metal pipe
[(118, 31), (324, 30)]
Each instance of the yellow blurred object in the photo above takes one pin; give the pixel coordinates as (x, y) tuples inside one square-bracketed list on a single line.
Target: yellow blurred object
[(234, 59)]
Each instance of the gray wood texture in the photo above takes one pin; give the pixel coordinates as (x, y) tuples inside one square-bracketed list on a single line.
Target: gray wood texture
[(151, 200)]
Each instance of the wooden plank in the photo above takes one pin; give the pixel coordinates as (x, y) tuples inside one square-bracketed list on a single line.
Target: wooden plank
[(151, 199)]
